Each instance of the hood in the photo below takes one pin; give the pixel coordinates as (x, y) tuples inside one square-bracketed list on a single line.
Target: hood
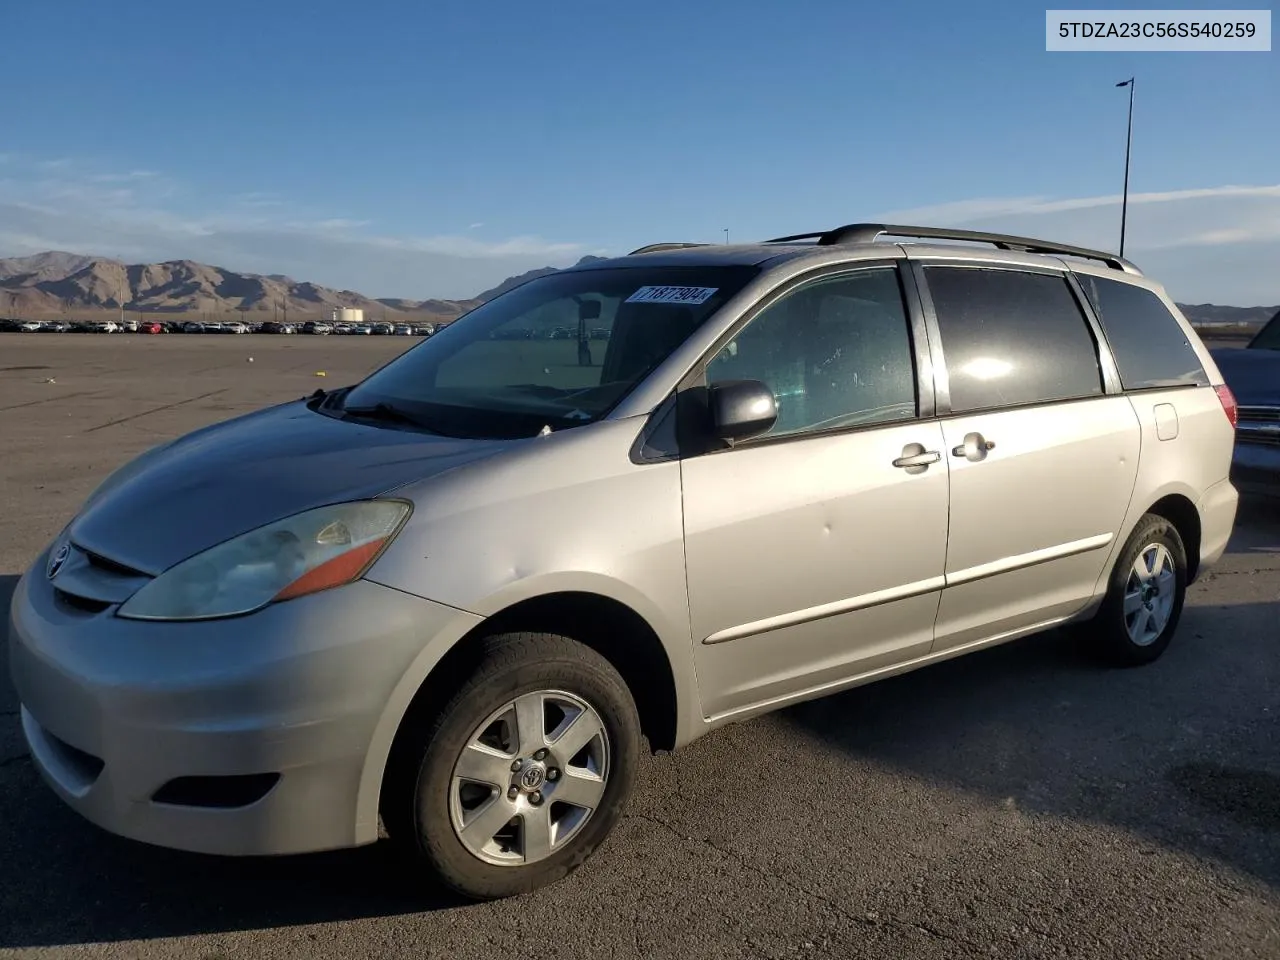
[(1252, 375), (224, 480)]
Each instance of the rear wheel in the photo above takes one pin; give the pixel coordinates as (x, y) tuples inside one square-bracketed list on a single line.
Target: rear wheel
[(1144, 600), (523, 773)]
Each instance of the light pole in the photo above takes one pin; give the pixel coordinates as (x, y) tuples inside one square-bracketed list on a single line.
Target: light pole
[(726, 235), (1124, 205)]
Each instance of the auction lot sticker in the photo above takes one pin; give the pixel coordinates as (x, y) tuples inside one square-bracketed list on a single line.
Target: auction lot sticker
[(690, 295)]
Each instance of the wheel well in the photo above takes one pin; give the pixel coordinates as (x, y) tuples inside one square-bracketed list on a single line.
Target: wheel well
[(1182, 513), (618, 634), (612, 629)]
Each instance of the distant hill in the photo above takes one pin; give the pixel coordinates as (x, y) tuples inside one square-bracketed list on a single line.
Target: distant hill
[(1208, 314), (44, 266), (56, 283), (512, 282)]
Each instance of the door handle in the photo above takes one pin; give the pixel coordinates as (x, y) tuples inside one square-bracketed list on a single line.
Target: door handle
[(974, 448), (915, 456)]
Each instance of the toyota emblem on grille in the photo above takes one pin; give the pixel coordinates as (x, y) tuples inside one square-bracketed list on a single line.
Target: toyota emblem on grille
[(58, 558)]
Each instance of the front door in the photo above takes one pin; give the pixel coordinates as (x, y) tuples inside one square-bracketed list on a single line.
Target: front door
[(816, 552)]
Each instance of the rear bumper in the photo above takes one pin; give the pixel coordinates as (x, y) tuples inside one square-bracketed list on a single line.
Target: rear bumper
[(1217, 510)]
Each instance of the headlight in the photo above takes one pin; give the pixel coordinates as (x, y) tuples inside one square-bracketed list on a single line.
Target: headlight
[(302, 554)]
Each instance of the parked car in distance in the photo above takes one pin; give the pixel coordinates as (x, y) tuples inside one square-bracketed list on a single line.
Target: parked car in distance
[(458, 597), (1253, 373), (55, 326), (403, 330), (152, 326), (317, 328), (31, 326), (106, 326), (423, 330)]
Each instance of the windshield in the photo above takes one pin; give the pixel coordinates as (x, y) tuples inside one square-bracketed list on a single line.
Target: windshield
[(1268, 337), (559, 351)]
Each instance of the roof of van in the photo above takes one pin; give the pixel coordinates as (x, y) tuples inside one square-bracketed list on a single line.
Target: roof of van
[(858, 241)]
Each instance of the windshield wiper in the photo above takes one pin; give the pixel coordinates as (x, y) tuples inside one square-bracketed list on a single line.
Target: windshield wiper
[(385, 412)]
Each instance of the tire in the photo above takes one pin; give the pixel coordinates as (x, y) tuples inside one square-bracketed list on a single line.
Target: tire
[(1127, 635), (443, 821)]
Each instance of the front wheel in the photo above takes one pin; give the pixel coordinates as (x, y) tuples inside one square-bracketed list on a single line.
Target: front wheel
[(1144, 599), (524, 772)]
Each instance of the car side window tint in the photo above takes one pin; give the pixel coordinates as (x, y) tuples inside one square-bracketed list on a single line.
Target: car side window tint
[(1012, 337), (1268, 338), (1148, 343), (835, 352)]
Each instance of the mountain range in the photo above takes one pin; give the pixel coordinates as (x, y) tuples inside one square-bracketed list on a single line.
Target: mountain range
[(57, 283)]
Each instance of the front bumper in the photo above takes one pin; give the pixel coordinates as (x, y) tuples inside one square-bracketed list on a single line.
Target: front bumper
[(114, 711)]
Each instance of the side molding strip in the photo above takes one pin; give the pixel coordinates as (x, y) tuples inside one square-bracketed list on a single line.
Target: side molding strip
[(828, 610), (906, 591)]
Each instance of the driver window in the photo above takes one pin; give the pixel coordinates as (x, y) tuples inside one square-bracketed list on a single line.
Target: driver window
[(835, 352)]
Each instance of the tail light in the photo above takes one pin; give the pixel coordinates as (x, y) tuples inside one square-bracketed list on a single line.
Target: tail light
[(1229, 405)]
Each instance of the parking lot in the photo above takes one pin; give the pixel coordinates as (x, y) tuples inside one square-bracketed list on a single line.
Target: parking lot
[(1019, 802)]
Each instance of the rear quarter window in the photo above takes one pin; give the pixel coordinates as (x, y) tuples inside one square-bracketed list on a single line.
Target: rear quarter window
[(1149, 345)]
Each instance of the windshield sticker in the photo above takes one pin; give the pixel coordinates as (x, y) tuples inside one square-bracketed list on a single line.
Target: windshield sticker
[(689, 295)]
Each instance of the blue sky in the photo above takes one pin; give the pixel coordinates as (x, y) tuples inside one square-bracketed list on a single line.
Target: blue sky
[(431, 149)]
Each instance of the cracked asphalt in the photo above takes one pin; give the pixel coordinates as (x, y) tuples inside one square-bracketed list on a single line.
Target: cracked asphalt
[(1019, 802)]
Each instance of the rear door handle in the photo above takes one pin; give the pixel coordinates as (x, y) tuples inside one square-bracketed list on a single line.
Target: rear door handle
[(915, 455), (974, 448)]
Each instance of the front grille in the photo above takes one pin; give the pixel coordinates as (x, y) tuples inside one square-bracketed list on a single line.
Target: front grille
[(79, 604), (89, 582), (1259, 425), (110, 566)]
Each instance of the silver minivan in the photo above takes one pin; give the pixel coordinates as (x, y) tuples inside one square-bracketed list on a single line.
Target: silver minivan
[(457, 599)]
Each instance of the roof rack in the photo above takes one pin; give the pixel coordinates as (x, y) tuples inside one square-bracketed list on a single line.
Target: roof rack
[(870, 232), (655, 247)]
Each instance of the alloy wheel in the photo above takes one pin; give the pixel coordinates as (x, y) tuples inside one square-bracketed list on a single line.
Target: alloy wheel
[(529, 778), (1149, 594)]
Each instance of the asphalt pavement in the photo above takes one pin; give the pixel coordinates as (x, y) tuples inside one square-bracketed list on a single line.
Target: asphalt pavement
[(1019, 802)]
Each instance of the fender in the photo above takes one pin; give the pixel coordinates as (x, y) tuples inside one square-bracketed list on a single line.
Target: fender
[(676, 642)]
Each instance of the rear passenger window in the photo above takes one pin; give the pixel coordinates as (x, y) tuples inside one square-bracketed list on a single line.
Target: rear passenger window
[(1149, 346), (1011, 337)]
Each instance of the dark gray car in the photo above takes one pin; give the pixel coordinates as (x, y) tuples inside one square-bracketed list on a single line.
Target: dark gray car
[(1254, 377)]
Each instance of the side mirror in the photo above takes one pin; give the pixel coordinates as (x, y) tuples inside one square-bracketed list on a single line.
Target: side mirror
[(741, 409)]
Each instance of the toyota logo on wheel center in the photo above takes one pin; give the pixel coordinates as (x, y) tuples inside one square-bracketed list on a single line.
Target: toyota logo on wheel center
[(532, 777)]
